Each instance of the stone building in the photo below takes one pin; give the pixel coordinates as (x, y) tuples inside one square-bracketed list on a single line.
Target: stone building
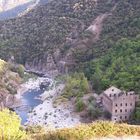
[(119, 104)]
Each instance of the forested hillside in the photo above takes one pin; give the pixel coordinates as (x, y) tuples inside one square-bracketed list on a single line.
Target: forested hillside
[(46, 28), (13, 8), (58, 29), (120, 67), (63, 34)]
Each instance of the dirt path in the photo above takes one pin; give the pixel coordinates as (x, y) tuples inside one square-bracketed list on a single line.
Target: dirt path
[(97, 25)]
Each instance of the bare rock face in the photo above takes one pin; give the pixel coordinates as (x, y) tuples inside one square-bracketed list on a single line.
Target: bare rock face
[(6, 99), (46, 65), (9, 83)]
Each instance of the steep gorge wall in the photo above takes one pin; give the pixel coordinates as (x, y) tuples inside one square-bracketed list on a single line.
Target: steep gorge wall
[(9, 84)]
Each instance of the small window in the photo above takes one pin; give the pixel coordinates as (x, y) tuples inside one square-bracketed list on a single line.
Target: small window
[(110, 95), (120, 110), (126, 104), (114, 95), (121, 104), (112, 89), (116, 105), (125, 110), (125, 117), (131, 104), (116, 111), (120, 117)]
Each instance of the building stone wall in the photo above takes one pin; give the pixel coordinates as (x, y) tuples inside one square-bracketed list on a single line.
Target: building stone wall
[(120, 104), (123, 106), (107, 103)]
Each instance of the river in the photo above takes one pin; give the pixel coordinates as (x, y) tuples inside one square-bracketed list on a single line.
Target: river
[(30, 98), (38, 107), (29, 101)]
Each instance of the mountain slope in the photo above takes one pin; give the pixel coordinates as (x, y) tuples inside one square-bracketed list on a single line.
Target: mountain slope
[(119, 67), (57, 36)]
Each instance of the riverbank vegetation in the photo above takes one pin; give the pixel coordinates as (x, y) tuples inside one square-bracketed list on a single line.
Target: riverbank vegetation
[(76, 86)]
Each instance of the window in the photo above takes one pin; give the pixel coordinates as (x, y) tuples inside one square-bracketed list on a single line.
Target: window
[(116, 111), (125, 117), (120, 117), (125, 110), (120, 110), (116, 105), (131, 104), (110, 95), (126, 104), (114, 95), (112, 89), (121, 104)]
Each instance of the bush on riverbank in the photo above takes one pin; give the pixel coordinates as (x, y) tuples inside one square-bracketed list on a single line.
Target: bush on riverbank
[(89, 131), (79, 105), (76, 87)]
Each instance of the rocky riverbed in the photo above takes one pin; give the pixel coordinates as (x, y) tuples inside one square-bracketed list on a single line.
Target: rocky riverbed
[(45, 113)]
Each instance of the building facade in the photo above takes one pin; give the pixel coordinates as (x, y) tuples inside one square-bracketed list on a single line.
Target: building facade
[(119, 104)]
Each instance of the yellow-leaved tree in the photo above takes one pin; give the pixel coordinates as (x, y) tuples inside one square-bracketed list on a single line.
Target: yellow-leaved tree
[(10, 128)]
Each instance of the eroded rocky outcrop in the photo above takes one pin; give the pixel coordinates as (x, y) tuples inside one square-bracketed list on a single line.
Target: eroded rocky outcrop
[(9, 84)]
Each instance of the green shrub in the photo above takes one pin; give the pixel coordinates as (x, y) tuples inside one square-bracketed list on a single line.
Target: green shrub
[(10, 128), (93, 111), (20, 70), (80, 105), (76, 85)]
